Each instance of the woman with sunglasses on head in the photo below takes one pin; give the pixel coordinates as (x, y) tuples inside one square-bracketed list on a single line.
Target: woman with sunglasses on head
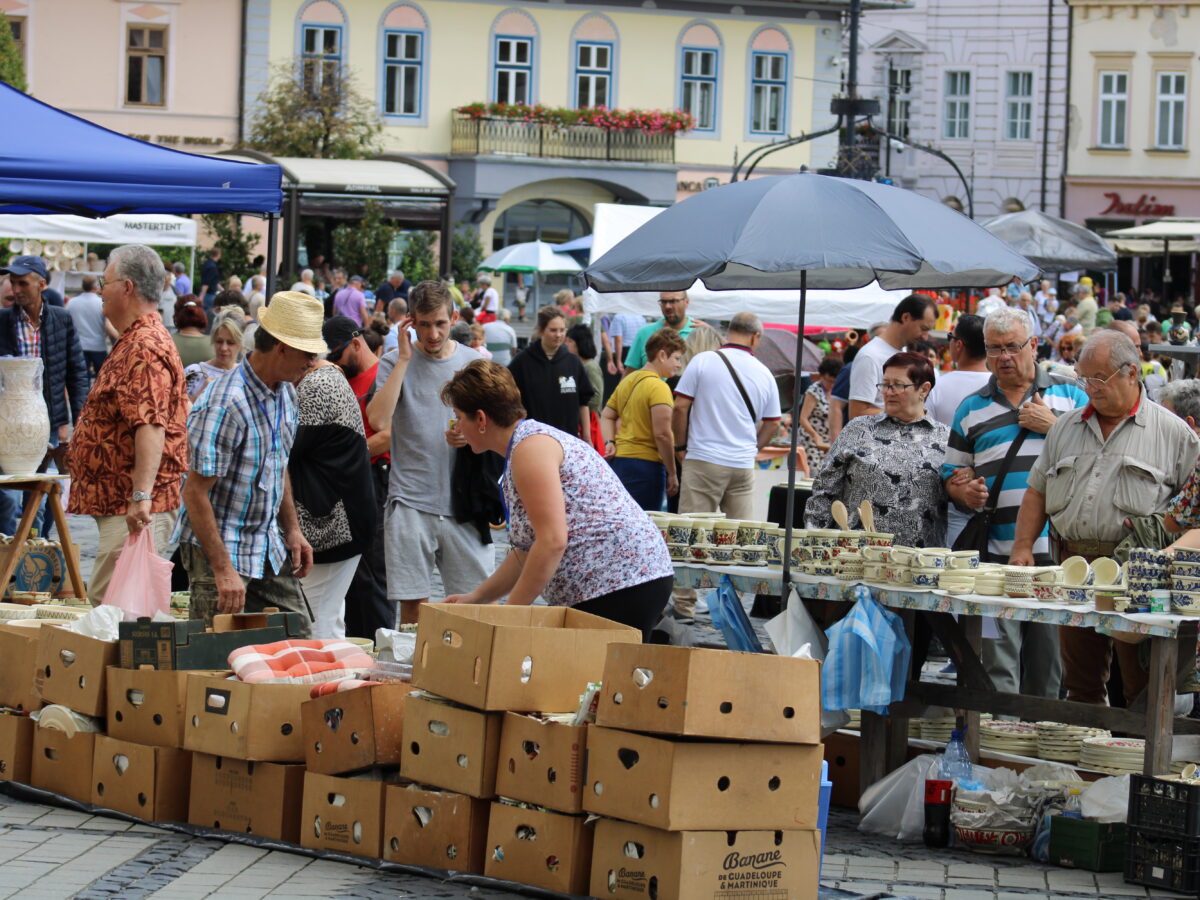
[(892, 459)]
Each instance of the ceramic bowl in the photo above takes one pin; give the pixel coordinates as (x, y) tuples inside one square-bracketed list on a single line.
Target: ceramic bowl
[(750, 554), (1185, 600), (1185, 584), (926, 576), (963, 559), (678, 550), (1076, 570), (1159, 557), (1182, 554), (1045, 592), (1076, 593), (876, 553), (1139, 598), (931, 557), (989, 587), (956, 586), (701, 552), (1185, 570), (818, 554), (903, 555), (821, 570), (878, 538), (1140, 583), (874, 571), (721, 554), (1048, 575), (1107, 571)]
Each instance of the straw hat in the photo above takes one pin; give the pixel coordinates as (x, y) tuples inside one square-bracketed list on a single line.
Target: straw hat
[(295, 319)]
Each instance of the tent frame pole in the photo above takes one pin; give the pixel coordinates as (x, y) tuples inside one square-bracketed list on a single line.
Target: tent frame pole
[(790, 505), (272, 250)]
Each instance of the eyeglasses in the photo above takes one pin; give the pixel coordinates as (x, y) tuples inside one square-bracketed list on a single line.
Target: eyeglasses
[(1007, 349), (672, 302), (895, 388), (1085, 381)]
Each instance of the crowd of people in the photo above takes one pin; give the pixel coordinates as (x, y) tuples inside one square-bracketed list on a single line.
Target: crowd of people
[(333, 454)]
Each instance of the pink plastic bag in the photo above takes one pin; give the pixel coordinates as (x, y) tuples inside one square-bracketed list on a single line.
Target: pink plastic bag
[(141, 579)]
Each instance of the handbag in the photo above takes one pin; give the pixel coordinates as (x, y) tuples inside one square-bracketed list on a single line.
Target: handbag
[(740, 387), (974, 535)]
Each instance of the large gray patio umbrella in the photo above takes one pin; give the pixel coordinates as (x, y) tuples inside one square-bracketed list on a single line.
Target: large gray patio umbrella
[(1053, 244), (806, 230)]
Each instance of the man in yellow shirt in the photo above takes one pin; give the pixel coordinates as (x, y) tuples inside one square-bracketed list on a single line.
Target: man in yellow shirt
[(636, 423)]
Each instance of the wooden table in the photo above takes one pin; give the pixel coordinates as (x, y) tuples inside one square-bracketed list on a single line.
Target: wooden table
[(885, 738), (41, 486)]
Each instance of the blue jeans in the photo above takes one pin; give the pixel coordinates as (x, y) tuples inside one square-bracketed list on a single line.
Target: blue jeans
[(646, 481)]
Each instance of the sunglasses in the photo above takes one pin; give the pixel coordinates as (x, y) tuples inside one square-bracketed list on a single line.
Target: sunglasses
[(337, 352)]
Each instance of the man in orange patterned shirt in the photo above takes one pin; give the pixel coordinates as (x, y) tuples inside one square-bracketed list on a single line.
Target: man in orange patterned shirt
[(129, 452)]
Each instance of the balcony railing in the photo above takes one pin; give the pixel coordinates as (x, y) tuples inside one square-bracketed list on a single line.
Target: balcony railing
[(508, 137)]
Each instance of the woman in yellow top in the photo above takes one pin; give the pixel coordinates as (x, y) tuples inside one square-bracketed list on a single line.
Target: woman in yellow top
[(636, 424)]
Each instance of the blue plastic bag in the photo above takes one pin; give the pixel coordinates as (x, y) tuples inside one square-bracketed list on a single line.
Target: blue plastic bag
[(866, 665), (728, 617)]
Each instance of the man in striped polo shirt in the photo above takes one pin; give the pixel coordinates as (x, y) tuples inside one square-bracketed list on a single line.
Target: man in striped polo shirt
[(1019, 397)]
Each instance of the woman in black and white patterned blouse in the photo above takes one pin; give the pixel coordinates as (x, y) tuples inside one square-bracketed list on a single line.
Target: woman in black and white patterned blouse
[(893, 459)]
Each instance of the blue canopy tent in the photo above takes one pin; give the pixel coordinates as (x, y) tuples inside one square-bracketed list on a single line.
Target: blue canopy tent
[(59, 163)]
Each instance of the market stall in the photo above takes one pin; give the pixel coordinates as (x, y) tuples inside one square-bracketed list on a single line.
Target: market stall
[(957, 620)]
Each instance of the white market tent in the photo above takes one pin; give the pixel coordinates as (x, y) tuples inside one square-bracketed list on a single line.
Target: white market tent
[(859, 308), (157, 230)]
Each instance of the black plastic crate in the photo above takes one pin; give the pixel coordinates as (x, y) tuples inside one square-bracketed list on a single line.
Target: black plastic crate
[(1165, 805), (1161, 859)]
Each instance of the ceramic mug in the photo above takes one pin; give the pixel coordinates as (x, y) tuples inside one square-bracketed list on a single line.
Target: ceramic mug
[(1107, 571), (930, 557), (721, 553), (724, 533), (963, 559), (750, 554), (679, 531), (903, 555), (702, 531), (797, 552), (701, 552), (876, 553), (1076, 571), (1182, 554), (926, 576), (819, 554), (750, 534)]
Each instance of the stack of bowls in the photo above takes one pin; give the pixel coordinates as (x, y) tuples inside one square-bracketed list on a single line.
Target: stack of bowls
[(1019, 738), (1061, 743), (958, 581), (850, 566), (1046, 583), (1077, 580), (1185, 582), (1148, 570), (927, 566), (1018, 580), (989, 580)]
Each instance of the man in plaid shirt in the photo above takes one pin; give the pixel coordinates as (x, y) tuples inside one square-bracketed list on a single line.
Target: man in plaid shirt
[(239, 535)]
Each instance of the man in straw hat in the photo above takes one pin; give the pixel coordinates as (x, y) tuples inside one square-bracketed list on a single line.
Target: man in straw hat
[(240, 434)]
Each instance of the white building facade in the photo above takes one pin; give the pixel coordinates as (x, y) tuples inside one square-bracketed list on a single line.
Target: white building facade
[(986, 85)]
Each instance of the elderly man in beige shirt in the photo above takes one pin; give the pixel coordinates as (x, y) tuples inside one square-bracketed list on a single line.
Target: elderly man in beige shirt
[(1120, 456)]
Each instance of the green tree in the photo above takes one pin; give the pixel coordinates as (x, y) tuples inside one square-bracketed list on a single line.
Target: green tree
[(419, 262), (365, 243), (322, 117), (237, 247), (466, 252), (12, 67)]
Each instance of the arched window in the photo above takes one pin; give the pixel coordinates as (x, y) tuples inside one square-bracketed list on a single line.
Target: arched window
[(538, 220), (700, 74), (770, 75), (322, 38), (405, 37), (594, 51), (514, 57)]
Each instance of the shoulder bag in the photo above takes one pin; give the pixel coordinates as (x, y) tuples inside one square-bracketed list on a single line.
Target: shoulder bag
[(974, 535), (741, 388)]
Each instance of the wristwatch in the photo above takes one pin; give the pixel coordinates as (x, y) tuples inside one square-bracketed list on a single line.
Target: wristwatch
[(139, 496)]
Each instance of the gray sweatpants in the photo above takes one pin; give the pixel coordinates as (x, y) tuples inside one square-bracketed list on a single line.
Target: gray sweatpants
[(1024, 659)]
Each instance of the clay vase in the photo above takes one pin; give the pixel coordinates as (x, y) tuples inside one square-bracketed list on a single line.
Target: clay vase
[(24, 421)]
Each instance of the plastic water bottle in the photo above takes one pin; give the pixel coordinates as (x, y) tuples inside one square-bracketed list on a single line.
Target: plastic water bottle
[(955, 765)]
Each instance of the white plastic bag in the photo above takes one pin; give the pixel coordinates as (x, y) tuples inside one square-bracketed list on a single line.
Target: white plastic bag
[(894, 806), (1106, 800), (792, 632)]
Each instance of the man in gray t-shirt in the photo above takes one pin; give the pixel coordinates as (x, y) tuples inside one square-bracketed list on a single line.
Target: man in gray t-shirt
[(420, 530)]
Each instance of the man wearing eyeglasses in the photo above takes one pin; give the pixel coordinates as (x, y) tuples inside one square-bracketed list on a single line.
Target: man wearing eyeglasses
[(674, 305), (1020, 400), (1121, 456)]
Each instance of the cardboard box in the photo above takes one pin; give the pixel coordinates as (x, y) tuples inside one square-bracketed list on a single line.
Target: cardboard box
[(841, 752), (355, 729), (248, 797), (633, 862), (147, 705), (434, 828), (16, 748), (1084, 844), (19, 652), (450, 747), (63, 765), (711, 693), (527, 658), (542, 762), (184, 643), (71, 670), (227, 717), (343, 814), (693, 786), (148, 782), (538, 847)]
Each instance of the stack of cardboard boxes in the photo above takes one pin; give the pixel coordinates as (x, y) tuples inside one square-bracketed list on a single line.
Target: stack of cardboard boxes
[(477, 666), (706, 766)]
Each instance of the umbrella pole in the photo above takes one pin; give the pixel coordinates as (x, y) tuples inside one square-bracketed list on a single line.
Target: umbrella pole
[(790, 505)]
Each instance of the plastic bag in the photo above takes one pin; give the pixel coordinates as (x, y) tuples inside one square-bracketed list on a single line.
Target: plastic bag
[(791, 631), (1106, 800), (141, 579), (894, 806), (866, 666), (728, 616)]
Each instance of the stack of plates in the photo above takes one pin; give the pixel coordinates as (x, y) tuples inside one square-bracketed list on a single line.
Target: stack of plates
[(1061, 743), (938, 728), (1113, 756), (990, 582), (59, 611), (958, 581), (1019, 738), (10, 611), (1018, 581), (855, 723)]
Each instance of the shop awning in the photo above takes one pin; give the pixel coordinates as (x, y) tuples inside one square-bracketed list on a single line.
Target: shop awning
[(390, 175), (161, 230)]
